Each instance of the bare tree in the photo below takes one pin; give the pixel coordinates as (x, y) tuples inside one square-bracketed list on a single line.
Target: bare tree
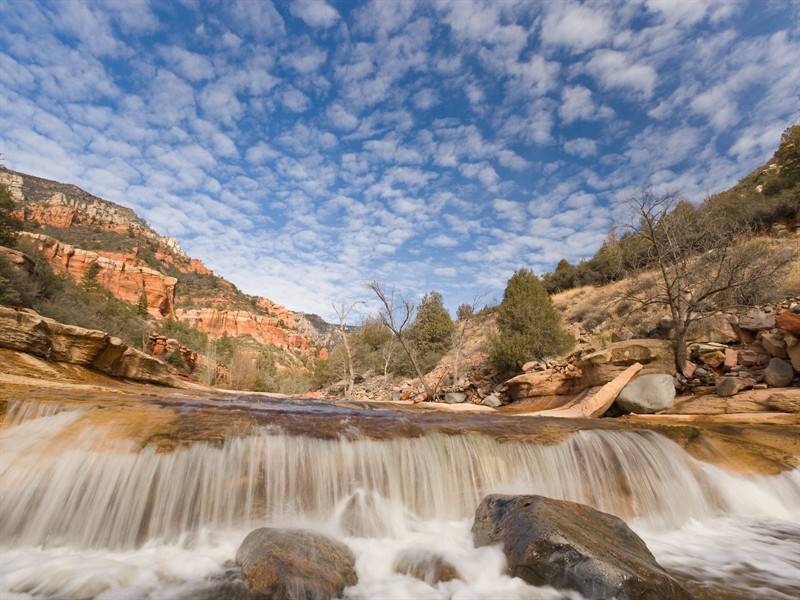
[(343, 310), (701, 261), (397, 315), (387, 352), (465, 315)]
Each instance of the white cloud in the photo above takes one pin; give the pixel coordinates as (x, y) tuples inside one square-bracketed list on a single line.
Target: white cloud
[(295, 100), (425, 99), (190, 65), (583, 147), (576, 26), (316, 13), (617, 70)]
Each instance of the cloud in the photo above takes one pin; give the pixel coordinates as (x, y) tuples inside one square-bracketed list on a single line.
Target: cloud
[(341, 118), (295, 100), (316, 13), (616, 70), (575, 26), (583, 147), (190, 65)]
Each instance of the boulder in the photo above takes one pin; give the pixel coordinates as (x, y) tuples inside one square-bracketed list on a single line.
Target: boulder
[(572, 546), (712, 357), (754, 356), (648, 394), (600, 367), (543, 383), (773, 343), (294, 564), (756, 320), (730, 386), (794, 356), (714, 328), (427, 566), (778, 373), (492, 401), (455, 397), (789, 322)]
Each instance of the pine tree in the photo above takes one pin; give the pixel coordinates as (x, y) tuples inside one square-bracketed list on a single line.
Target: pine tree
[(9, 224), (528, 323), (432, 331), (141, 305)]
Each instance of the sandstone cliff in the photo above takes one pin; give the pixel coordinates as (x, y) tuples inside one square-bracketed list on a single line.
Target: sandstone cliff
[(124, 277)]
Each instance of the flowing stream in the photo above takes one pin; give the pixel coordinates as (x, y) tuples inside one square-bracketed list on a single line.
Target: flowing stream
[(85, 516)]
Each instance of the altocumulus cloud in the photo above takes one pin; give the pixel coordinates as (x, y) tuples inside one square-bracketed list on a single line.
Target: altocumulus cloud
[(303, 148)]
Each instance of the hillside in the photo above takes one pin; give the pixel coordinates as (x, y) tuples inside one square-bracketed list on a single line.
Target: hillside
[(96, 243)]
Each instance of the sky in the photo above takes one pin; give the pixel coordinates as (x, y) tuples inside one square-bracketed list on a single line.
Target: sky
[(302, 149)]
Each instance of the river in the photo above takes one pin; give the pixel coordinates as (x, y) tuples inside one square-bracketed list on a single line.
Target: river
[(90, 514)]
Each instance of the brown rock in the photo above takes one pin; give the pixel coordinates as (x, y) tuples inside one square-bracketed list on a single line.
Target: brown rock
[(731, 359), (778, 373), (789, 322), (17, 259), (712, 358), (427, 566), (573, 546), (773, 343), (714, 328), (753, 357), (794, 356), (543, 383), (756, 320), (600, 367), (688, 369), (730, 386), (293, 564)]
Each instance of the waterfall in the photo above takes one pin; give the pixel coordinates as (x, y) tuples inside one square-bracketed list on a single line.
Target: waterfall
[(61, 484)]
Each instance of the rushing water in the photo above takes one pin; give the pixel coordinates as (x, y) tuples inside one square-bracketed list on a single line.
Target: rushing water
[(84, 516)]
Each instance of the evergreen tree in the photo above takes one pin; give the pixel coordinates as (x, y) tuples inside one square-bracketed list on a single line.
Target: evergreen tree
[(528, 324), (432, 331), (9, 224), (141, 305)]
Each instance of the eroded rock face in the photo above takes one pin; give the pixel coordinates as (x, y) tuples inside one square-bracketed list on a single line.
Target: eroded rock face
[(26, 331), (125, 277), (294, 564), (267, 329), (648, 394), (714, 328), (572, 546)]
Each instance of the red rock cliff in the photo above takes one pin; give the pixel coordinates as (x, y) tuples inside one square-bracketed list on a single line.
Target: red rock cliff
[(124, 276)]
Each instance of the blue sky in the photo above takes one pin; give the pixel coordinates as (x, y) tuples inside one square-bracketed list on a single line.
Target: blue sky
[(301, 149)]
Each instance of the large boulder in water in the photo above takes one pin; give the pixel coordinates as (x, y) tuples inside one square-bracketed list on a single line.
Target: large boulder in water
[(294, 564), (648, 394), (572, 546), (427, 566)]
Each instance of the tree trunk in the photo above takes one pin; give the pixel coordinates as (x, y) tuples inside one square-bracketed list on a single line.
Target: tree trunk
[(420, 376), (679, 346)]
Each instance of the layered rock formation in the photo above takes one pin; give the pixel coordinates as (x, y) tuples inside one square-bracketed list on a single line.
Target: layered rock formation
[(26, 331), (125, 279), (267, 329)]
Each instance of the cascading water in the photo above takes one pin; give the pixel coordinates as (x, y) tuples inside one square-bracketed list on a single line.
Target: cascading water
[(85, 516)]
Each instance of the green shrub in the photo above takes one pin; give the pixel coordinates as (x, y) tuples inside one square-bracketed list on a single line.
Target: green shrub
[(432, 332), (176, 360), (528, 324)]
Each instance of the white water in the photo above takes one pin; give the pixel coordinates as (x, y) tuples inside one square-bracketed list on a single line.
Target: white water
[(87, 517)]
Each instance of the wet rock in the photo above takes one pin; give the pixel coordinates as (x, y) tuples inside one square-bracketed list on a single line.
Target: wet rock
[(714, 328), (778, 373), (455, 397), (572, 546), (648, 394), (730, 386), (789, 322), (492, 401), (427, 566), (294, 564)]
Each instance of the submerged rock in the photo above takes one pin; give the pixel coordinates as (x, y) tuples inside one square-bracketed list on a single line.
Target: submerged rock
[(572, 546), (648, 394), (430, 567), (294, 564)]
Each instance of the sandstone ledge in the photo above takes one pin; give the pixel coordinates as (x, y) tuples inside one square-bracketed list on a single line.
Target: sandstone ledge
[(27, 331)]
